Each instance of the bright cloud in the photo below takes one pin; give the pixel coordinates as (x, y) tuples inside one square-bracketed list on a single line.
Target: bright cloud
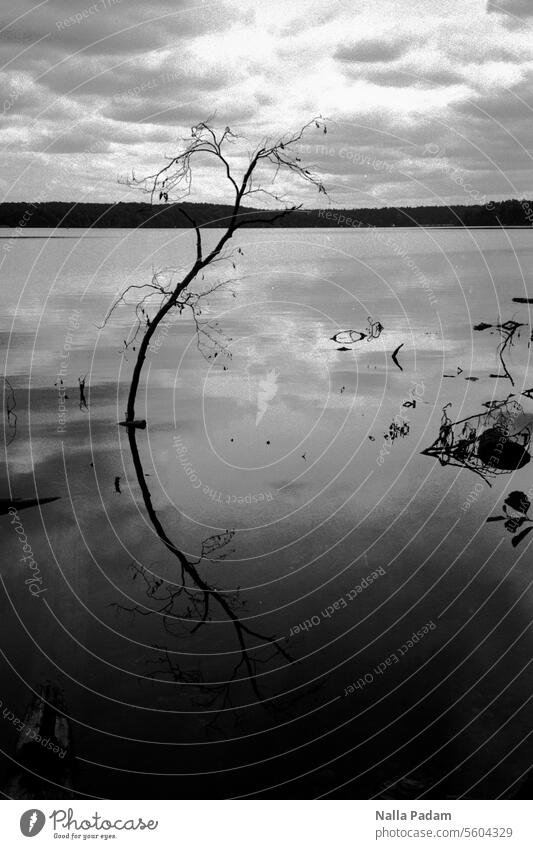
[(90, 91)]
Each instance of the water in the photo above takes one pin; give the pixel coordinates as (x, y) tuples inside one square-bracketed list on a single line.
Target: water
[(280, 441)]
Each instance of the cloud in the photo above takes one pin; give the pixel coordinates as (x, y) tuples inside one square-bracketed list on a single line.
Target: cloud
[(156, 112), (90, 95), (114, 80), (75, 142), (405, 76), (370, 50), (520, 9), (106, 27)]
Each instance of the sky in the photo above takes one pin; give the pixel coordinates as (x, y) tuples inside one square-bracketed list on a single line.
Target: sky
[(425, 102)]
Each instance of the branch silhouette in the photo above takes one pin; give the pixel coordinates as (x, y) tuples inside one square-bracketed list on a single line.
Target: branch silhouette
[(174, 180)]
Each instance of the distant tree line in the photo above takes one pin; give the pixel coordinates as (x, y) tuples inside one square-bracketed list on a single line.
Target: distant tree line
[(507, 213)]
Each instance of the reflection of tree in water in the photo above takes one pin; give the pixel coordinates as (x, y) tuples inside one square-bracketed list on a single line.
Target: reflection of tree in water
[(183, 610), (192, 593), (487, 443)]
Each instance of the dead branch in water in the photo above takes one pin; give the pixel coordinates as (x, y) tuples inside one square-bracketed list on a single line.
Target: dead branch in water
[(83, 400), (10, 407), (174, 181)]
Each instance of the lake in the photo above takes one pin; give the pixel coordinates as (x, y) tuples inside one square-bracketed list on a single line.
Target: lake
[(296, 469)]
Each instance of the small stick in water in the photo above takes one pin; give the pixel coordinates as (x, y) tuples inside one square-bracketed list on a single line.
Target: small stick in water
[(83, 400), (394, 360)]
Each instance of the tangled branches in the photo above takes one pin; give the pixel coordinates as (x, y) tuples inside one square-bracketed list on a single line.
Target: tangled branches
[(210, 338), (174, 180), (487, 443)]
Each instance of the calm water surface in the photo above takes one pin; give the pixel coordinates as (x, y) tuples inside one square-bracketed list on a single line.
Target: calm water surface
[(281, 441)]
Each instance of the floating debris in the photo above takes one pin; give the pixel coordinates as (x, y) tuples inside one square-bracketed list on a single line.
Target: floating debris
[(515, 508), (485, 442), (507, 331), (374, 329), (83, 400), (11, 406), (523, 300), (396, 430), (348, 337), (117, 485), (395, 355), (351, 337), (493, 405), (138, 423), (497, 450)]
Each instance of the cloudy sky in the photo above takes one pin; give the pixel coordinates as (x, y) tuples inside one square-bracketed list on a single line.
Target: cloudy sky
[(427, 102)]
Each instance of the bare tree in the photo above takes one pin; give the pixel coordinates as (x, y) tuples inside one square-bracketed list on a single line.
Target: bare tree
[(173, 181)]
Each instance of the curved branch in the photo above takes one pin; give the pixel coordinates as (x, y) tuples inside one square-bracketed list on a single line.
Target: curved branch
[(177, 175)]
